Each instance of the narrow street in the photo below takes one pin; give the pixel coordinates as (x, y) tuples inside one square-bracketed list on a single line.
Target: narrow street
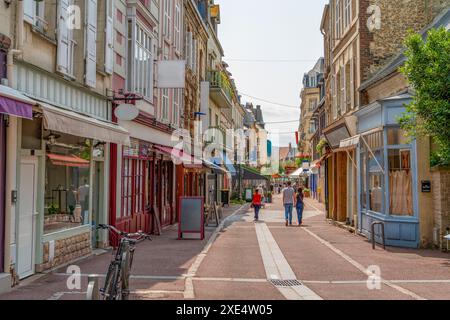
[(235, 262)]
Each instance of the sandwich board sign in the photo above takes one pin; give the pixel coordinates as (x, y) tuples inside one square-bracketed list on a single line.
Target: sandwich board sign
[(191, 218)]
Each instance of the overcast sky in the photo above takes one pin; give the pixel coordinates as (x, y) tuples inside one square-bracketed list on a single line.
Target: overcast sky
[(272, 30)]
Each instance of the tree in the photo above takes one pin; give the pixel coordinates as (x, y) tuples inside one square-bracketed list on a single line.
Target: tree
[(427, 69)]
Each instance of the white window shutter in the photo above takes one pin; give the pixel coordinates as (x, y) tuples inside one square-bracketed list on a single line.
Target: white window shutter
[(29, 10), (109, 38), (352, 82), (63, 63), (188, 52), (151, 71), (91, 43), (194, 55)]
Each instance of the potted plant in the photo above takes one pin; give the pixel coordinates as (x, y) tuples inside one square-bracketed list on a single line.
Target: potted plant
[(52, 209), (307, 193)]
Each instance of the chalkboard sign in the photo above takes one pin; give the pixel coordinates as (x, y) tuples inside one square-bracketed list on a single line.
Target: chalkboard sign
[(191, 211)]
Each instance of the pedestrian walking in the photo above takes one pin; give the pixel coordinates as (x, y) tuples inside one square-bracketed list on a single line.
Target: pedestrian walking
[(299, 205), (288, 202), (257, 203)]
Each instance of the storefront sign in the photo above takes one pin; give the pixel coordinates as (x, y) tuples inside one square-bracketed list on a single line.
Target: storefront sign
[(426, 186)]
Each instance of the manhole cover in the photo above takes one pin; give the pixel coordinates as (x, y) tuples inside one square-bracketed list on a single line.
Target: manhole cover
[(286, 283)]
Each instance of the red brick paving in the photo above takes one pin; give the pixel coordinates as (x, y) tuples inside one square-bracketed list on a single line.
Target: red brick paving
[(236, 254)]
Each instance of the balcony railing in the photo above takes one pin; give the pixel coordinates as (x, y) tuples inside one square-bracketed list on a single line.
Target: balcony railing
[(221, 89)]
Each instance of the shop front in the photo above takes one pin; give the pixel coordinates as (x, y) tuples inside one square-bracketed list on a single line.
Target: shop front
[(340, 172), (13, 107), (70, 169), (62, 172), (387, 167)]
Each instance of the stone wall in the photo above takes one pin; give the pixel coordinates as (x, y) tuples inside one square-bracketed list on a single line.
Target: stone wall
[(66, 250), (397, 17), (441, 205)]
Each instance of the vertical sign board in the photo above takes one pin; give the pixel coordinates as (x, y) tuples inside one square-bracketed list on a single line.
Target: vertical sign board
[(191, 217)]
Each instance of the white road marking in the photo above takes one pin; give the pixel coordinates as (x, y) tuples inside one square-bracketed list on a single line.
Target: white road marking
[(361, 267), (277, 267)]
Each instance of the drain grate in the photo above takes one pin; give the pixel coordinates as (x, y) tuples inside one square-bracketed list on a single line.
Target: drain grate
[(286, 283)]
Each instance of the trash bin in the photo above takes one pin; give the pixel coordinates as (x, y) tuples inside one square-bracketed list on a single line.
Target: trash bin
[(225, 197)]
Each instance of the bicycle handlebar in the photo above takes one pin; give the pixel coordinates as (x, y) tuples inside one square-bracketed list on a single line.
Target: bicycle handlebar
[(138, 235)]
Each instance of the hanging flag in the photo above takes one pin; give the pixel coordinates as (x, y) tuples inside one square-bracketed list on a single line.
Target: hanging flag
[(297, 137)]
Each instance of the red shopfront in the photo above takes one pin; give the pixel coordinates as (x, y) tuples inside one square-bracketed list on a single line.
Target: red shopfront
[(147, 180)]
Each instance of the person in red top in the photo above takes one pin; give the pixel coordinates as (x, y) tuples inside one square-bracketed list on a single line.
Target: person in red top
[(256, 203)]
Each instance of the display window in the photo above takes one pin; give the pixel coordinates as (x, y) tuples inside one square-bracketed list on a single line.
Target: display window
[(67, 182)]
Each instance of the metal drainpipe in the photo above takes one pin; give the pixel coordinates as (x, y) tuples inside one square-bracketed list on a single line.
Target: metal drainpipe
[(11, 139)]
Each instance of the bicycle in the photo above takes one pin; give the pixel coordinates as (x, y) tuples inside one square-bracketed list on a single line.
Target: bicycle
[(117, 280)]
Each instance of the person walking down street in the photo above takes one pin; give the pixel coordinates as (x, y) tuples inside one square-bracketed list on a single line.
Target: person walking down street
[(288, 202), (257, 203), (299, 205)]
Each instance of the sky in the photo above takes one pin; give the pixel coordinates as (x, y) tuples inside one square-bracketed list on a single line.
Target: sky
[(267, 30)]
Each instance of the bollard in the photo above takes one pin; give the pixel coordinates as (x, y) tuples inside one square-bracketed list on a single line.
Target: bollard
[(382, 234)]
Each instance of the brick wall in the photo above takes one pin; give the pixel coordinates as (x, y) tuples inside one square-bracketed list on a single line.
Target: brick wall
[(66, 250), (441, 204)]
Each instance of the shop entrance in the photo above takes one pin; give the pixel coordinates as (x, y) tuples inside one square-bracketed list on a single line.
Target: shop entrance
[(27, 213)]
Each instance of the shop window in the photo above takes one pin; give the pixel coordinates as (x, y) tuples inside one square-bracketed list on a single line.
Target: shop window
[(400, 182), (67, 182), (376, 178), (363, 181)]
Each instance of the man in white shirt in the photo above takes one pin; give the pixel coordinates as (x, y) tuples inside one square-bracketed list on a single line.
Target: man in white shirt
[(288, 202)]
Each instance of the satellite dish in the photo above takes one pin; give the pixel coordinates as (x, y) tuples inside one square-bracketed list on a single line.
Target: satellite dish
[(126, 112)]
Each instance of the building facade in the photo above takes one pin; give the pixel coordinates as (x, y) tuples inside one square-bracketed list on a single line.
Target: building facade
[(360, 38)]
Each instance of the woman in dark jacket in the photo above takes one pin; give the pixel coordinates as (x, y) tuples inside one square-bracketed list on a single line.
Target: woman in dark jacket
[(299, 205)]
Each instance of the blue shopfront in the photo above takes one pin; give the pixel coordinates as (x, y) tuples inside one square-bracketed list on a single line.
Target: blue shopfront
[(387, 171)]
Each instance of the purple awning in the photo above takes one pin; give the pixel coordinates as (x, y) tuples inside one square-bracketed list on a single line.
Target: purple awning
[(16, 108)]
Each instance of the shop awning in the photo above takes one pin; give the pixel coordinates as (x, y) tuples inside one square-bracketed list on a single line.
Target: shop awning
[(297, 173), (14, 103), (68, 161), (250, 175), (65, 121), (350, 142), (215, 168), (180, 157)]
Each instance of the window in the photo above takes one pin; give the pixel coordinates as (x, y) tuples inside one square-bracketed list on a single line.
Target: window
[(167, 18), (176, 107), (133, 180), (372, 173), (400, 182), (141, 67), (347, 13), (347, 88), (338, 19), (67, 183)]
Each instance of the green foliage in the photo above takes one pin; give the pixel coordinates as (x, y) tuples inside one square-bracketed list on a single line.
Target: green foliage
[(321, 145), (428, 71)]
